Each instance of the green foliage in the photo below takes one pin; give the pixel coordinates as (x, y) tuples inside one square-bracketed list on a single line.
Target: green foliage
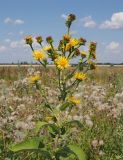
[(30, 144), (78, 152)]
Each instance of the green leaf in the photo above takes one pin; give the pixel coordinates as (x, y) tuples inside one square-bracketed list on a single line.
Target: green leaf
[(44, 153), (75, 122), (48, 106), (26, 145), (63, 152), (78, 152), (39, 125), (65, 105)]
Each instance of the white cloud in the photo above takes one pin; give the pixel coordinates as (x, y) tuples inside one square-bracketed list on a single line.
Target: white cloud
[(113, 46), (10, 34), (3, 48), (88, 22), (18, 21), (73, 32), (21, 33), (17, 44), (7, 40), (8, 20), (64, 16), (15, 22), (116, 22)]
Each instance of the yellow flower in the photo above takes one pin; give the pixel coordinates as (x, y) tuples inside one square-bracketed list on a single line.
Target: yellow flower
[(38, 55), (34, 79), (62, 62), (83, 54), (74, 100), (74, 42), (47, 48), (80, 76), (68, 47)]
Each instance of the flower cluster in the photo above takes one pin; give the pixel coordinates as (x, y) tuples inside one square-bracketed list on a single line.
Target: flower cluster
[(68, 48)]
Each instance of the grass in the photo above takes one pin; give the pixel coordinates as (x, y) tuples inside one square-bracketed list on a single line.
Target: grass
[(100, 112)]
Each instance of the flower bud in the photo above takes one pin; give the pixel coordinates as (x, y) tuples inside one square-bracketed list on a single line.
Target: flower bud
[(71, 17), (61, 45), (66, 37), (29, 40), (82, 41), (77, 52), (49, 40), (39, 39), (92, 65), (92, 47)]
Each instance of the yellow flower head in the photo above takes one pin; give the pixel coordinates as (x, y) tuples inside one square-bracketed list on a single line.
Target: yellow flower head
[(74, 100), (68, 47), (62, 62), (80, 76), (83, 54), (47, 48), (74, 42), (29, 40), (34, 79), (38, 55)]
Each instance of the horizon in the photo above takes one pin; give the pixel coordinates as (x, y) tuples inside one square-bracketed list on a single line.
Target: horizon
[(101, 22)]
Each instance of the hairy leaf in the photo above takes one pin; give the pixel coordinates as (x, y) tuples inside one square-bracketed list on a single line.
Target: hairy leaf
[(78, 152)]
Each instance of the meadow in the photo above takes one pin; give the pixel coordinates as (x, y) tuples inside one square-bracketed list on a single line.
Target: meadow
[(100, 112), (61, 112)]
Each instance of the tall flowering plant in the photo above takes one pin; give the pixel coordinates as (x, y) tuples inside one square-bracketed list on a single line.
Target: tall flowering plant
[(55, 141)]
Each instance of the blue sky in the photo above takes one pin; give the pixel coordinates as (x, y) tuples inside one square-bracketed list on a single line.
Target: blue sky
[(97, 20)]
